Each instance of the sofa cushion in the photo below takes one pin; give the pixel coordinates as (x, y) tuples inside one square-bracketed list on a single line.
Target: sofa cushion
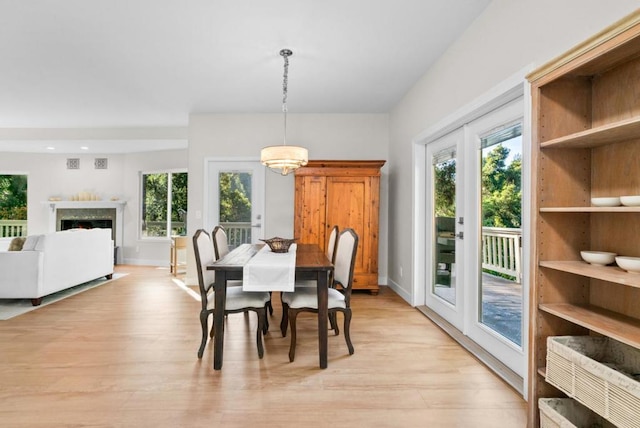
[(16, 244), (31, 242)]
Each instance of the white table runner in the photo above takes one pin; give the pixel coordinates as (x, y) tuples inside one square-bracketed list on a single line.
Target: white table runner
[(269, 271)]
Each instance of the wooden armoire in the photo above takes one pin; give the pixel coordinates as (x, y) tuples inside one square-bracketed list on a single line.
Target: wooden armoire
[(345, 193)]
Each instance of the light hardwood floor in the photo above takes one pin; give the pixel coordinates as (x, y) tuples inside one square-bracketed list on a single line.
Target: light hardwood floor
[(124, 355)]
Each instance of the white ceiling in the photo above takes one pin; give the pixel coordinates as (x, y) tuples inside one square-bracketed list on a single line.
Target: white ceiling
[(150, 63)]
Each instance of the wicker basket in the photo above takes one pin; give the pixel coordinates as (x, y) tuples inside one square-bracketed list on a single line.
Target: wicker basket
[(279, 245), (568, 413), (599, 373)]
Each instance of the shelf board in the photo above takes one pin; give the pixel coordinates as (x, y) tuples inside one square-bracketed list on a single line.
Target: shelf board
[(605, 273), (620, 209), (616, 132), (619, 327)]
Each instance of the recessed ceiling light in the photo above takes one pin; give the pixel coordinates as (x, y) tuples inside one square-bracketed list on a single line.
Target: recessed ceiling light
[(84, 148), (51, 148)]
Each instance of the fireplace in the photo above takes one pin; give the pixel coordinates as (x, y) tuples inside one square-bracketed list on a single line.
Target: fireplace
[(103, 223), (86, 218), (65, 215)]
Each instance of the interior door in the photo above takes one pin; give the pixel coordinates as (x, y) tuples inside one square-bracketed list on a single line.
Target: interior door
[(235, 190)]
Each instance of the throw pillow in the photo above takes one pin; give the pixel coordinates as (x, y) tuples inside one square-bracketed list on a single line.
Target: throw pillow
[(30, 243), (16, 244)]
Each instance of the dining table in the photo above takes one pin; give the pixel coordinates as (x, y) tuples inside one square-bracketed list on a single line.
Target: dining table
[(311, 263)]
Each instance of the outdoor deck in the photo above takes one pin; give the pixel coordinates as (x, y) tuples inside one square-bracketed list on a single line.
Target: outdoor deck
[(501, 305)]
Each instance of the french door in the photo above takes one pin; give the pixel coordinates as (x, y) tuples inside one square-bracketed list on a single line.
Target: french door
[(474, 231), (444, 283), (235, 199)]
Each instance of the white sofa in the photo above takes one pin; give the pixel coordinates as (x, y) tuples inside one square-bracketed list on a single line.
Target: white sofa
[(55, 261)]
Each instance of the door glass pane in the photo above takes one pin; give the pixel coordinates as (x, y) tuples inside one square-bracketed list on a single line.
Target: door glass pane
[(444, 213), (235, 206), (501, 255)]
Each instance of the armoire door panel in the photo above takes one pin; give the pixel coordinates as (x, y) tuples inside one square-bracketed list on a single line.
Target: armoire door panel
[(310, 218), (347, 207)]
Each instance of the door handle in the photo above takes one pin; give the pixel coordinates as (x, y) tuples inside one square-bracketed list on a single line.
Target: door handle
[(460, 235)]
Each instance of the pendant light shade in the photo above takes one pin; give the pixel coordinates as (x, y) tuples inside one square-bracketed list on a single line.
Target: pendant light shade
[(284, 158)]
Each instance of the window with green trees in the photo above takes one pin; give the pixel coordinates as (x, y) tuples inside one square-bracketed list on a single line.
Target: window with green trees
[(164, 204), (13, 205)]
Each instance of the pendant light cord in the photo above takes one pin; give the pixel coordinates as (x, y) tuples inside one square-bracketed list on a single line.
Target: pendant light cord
[(285, 83)]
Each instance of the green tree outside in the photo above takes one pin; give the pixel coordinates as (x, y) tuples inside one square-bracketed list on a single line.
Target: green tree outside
[(179, 191), (501, 189), (235, 197), (445, 188), (155, 194), (13, 197), (154, 204)]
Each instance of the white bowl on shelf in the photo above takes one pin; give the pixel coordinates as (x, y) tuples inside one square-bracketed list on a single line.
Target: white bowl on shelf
[(605, 202), (630, 264), (599, 258), (630, 201)]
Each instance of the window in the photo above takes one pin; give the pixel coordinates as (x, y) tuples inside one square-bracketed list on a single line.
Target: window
[(164, 204), (13, 205)]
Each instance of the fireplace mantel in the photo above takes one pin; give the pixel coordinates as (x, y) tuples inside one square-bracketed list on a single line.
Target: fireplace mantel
[(54, 206)]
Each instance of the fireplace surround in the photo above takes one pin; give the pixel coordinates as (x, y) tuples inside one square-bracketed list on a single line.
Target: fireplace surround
[(88, 214)]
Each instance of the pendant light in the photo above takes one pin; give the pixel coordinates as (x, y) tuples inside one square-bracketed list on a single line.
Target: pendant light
[(284, 158)]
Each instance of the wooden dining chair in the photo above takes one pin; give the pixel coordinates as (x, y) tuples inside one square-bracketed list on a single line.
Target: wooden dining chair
[(220, 242), (236, 301), (305, 299), (221, 247), (330, 252)]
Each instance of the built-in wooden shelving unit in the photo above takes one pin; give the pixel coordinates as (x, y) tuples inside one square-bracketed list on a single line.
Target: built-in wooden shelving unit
[(585, 144)]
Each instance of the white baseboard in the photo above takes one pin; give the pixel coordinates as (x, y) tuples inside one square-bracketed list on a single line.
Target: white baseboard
[(400, 291)]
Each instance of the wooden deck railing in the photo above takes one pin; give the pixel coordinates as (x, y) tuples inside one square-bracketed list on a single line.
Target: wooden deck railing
[(237, 233), (502, 251), (13, 228)]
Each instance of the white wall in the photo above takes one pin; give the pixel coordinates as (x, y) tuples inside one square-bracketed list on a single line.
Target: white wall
[(49, 176), (507, 37), (326, 136)]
